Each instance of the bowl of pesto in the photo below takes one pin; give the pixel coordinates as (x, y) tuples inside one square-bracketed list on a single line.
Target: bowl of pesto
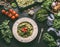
[(25, 30)]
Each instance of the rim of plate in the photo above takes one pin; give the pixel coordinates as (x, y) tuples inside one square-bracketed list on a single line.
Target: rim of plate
[(30, 38)]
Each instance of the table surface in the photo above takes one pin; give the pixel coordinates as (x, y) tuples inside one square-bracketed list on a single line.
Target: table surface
[(14, 42)]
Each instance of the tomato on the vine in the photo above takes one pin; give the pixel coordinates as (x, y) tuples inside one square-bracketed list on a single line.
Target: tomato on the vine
[(10, 10), (9, 15), (3, 11), (16, 15), (13, 17), (14, 12)]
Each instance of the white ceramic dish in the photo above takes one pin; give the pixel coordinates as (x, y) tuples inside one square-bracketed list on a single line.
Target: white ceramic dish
[(30, 38), (50, 20)]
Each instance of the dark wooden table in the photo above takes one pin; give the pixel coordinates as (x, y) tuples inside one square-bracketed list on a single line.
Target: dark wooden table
[(14, 42)]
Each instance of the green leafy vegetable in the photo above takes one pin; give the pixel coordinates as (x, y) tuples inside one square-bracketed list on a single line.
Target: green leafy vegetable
[(5, 31), (52, 44), (57, 15), (47, 3), (56, 23), (41, 15), (14, 5), (49, 39)]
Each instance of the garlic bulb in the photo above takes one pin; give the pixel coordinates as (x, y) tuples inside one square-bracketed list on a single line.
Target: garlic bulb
[(54, 4), (31, 12)]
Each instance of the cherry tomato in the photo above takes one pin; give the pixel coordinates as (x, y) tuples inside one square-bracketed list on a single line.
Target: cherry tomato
[(24, 29), (11, 10), (9, 15), (13, 17), (16, 15), (3, 11), (14, 12), (6, 13)]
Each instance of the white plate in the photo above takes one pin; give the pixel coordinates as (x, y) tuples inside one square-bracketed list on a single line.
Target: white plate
[(30, 38)]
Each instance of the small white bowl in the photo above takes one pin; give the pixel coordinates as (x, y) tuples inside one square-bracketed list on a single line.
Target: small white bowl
[(30, 38), (50, 20)]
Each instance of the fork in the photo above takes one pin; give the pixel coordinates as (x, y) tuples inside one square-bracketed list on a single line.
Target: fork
[(42, 29)]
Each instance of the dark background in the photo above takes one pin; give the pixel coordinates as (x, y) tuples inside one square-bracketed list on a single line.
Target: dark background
[(14, 42)]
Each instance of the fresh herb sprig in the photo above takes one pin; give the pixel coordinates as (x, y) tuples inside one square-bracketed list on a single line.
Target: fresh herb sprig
[(5, 31)]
